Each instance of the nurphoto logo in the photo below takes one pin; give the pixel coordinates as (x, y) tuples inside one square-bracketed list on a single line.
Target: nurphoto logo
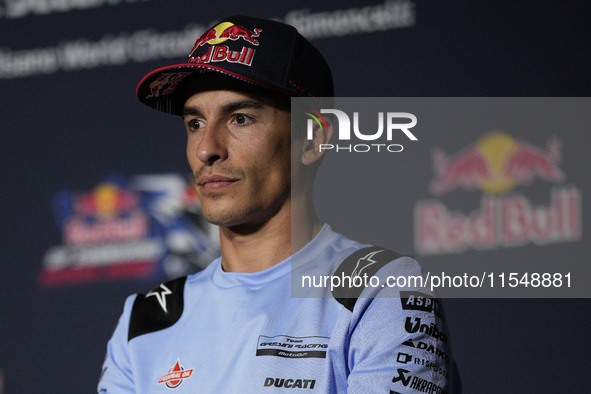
[(389, 123)]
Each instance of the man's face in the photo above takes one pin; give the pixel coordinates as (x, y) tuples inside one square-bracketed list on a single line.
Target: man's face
[(238, 147)]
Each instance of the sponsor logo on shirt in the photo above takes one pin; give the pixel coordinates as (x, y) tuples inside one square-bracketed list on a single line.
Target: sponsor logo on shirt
[(404, 358), (417, 301), (415, 326), (416, 383), (421, 345), (175, 376), (290, 383), (292, 347)]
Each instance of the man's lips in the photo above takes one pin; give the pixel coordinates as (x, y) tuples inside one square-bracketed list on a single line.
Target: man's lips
[(215, 182)]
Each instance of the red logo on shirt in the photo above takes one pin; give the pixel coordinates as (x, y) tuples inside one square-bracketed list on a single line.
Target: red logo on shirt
[(175, 376)]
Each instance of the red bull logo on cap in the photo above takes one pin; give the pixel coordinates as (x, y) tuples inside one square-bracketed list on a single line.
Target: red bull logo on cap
[(168, 82), (495, 164), (219, 53), (227, 31)]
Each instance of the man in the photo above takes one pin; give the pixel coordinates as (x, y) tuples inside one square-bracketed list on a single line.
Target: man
[(235, 326)]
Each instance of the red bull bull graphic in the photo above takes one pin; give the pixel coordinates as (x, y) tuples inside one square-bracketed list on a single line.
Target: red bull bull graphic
[(495, 165), (220, 53), (227, 31), (143, 229), (210, 36), (168, 81)]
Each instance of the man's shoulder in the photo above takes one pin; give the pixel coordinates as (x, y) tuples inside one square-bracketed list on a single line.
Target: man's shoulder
[(334, 261), (363, 263), (158, 309), (353, 258), (163, 306)]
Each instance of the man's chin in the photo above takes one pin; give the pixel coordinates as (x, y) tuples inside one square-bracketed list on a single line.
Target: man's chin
[(238, 223), (223, 218)]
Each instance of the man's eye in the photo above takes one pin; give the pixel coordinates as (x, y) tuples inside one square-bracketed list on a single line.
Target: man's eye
[(194, 124), (242, 119)]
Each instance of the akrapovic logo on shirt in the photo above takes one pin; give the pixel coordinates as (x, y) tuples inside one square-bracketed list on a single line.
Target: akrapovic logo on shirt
[(416, 383), (292, 347)]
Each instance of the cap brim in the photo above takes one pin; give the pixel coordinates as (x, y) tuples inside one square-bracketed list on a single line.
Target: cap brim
[(161, 88)]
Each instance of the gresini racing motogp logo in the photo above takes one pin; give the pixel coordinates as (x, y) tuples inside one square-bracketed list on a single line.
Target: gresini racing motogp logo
[(292, 347), (175, 376), (388, 124)]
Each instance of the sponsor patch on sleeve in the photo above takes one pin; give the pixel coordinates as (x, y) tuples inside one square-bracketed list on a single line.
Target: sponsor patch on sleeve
[(417, 301)]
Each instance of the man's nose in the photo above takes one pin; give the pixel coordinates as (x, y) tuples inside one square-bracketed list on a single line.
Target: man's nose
[(211, 147)]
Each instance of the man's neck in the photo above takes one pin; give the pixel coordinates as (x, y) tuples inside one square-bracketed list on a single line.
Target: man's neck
[(262, 246)]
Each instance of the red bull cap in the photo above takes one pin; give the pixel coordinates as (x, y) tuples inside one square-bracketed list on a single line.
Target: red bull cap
[(263, 52)]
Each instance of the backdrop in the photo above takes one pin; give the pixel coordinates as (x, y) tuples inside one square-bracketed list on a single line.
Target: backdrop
[(96, 202)]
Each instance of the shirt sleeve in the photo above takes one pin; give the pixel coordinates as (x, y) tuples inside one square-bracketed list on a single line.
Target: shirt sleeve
[(398, 337), (116, 375)]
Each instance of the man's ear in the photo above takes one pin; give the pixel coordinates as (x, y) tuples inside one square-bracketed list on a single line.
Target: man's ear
[(311, 149)]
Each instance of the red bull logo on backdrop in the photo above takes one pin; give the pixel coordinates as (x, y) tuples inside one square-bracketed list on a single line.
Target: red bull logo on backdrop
[(144, 229), (494, 165), (219, 53)]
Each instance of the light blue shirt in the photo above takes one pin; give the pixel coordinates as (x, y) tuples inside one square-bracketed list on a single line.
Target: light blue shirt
[(245, 333)]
